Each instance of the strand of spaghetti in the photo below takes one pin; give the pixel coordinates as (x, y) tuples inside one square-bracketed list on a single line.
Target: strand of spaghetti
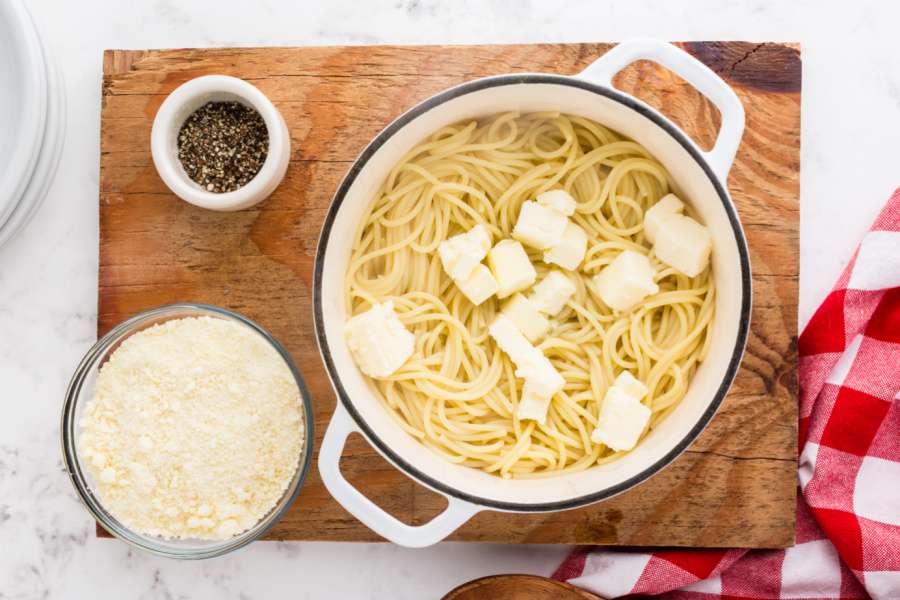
[(579, 465), (458, 394), (503, 462)]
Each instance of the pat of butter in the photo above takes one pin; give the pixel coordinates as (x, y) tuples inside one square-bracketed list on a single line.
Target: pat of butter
[(668, 206), (569, 251), (521, 311), (479, 285), (558, 200), (684, 244), (629, 384), (379, 342), (539, 226), (552, 292), (511, 267), (540, 374), (542, 380), (626, 281), (533, 405), (511, 340), (621, 421), (461, 253)]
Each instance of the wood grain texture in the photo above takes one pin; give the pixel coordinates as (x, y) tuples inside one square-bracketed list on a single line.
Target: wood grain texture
[(735, 486), (518, 587)]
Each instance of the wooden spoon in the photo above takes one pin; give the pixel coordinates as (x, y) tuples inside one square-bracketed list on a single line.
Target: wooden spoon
[(518, 587)]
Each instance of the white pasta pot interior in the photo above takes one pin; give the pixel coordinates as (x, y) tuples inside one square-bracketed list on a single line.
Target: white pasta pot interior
[(699, 185)]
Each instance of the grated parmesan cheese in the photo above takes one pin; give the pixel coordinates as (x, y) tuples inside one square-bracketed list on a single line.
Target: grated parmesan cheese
[(194, 431)]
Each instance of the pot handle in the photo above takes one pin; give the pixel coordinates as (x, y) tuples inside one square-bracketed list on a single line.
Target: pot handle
[(376, 519), (693, 71)]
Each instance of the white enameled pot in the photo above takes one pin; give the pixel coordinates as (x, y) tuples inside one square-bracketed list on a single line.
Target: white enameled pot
[(701, 177)]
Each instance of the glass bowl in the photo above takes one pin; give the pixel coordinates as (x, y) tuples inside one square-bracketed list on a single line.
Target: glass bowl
[(81, 390)]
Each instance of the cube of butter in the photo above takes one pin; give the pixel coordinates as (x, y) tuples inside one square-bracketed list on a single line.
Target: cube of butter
[(533, 404), (542, 382), (540, 373), (379, 342), (667, 206), (461, 253), (631, 385), (626, 281), (479, 285), (551, 293), (559, 200), (512, 341), (521, 311), (621, 421), (569, 251), (539, 226), (511, 267), (684, 244)]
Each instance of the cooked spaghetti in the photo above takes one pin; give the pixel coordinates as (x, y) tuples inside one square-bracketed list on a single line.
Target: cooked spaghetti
[(458, 393)]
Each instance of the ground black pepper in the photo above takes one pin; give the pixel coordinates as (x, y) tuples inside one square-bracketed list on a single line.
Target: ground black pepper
[(223, 145)]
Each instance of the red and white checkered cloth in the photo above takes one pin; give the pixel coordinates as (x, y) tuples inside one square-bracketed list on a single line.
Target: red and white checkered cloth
[(848, 515)]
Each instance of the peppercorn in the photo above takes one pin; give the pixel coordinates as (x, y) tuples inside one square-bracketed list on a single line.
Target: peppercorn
[(223, 145)]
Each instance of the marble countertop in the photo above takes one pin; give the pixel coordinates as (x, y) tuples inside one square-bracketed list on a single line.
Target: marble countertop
[(48, 275)]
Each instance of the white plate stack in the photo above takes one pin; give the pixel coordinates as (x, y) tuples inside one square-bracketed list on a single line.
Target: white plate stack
[(32, 118)]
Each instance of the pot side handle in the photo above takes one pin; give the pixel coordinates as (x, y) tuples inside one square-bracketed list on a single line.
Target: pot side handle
[(376, 519), (720, 158)]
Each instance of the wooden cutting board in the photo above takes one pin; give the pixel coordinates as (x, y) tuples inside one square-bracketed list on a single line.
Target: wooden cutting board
[(735, 486)]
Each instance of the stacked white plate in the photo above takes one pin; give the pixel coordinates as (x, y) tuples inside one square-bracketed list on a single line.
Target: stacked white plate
[(32, 119)]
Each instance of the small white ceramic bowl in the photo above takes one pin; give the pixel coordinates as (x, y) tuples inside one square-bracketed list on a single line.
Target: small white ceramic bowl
[(180, 104)]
